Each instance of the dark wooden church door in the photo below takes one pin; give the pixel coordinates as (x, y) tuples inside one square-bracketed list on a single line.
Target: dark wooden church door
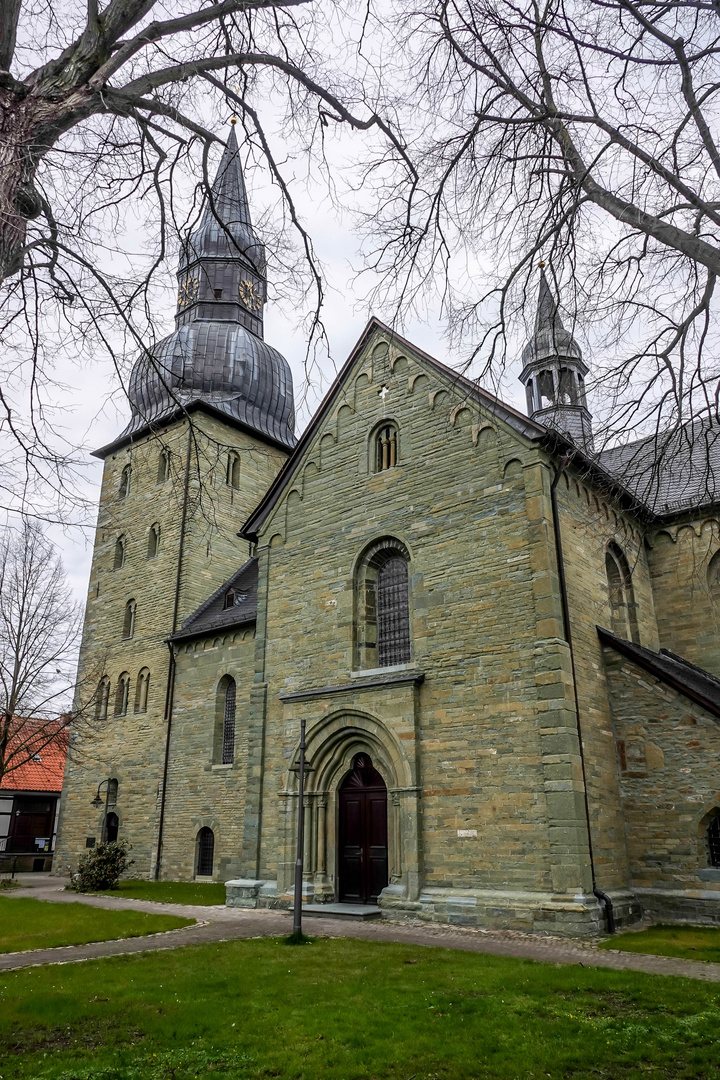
[(363, 849)]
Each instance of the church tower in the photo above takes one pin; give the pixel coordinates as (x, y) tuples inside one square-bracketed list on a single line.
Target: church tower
[(554, 373), (211, 424)]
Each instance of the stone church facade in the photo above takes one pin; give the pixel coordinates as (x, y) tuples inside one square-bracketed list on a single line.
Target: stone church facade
[(505, 645)]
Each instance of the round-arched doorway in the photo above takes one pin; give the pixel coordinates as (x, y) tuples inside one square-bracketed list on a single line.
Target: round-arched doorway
[(362, 834)]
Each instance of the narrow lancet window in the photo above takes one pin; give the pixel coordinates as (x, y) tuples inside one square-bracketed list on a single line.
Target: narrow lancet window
[(122, 694), (102, 699), (129, 620), (124, 489), (623, 610), (119, 560), (228, 739), (233, 471), (142, 689), (163, 466), (153, 541)]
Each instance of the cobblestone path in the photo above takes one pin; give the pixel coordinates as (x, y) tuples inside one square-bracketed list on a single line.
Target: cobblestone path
[(227, 924)]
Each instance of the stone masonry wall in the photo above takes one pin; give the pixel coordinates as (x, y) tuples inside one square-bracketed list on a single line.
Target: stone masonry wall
[(668, 749), (688, 610), (131, 748), (494, 748)]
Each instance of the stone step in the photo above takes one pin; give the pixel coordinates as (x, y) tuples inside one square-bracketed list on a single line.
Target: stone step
[(351, 912)]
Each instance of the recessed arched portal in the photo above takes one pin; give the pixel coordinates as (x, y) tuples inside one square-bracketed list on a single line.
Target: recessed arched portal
[(362, 834)]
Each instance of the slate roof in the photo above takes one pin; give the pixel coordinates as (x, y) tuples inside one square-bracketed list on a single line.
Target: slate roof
[(45, 772), (670, 472), (212, 617), (695, 683)]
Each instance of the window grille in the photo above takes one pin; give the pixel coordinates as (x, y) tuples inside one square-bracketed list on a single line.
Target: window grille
[(129, 621), (205, 852), (119, 553), (228, 743), (124, 489), (393, 617), (386, 447), (713, 839)]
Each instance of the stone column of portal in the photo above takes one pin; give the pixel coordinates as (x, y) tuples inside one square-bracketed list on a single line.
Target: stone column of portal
[(557, 721)]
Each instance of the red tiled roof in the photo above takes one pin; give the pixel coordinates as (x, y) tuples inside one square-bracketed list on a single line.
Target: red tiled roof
[(44, 772)]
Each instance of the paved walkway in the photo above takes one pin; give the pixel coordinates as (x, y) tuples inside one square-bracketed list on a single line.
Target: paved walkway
[(227, 924)]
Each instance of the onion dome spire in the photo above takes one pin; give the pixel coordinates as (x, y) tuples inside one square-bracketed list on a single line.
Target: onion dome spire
[(554, 372), (216, 355)]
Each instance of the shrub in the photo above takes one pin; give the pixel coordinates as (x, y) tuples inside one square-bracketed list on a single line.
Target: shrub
[(101, 868)]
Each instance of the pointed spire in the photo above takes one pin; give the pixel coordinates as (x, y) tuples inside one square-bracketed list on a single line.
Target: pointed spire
[(548, 315), (225, 229)]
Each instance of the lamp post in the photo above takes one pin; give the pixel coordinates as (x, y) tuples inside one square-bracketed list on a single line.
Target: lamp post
[(97, 803), (297, 904)]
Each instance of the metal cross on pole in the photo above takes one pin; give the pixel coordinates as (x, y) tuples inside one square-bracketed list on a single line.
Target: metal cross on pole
[(297, 906)]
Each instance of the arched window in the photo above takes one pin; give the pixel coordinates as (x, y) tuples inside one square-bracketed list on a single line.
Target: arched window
[(153, 541), (386, 447), (623, 609), (546, 389), (102, 699), (228, 734), (163, 466), (382, 630), (124, 489), (141, 690), (112, 792), (112, 824), (713, 841), (129, 620), (119, 553), (233, 470), (122, 694), (205, 852), (567, 388)]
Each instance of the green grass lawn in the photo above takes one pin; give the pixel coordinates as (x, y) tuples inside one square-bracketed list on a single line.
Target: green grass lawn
[(172, 892), (35, 924), (688, 942), (351, 1010)]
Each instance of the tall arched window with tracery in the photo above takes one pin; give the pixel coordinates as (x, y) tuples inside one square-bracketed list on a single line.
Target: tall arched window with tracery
[(623, 610), (122, 694), (382, 622), (129, 619), (142, 689)]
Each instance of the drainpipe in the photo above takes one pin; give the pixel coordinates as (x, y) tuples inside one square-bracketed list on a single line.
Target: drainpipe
[(170, 688), (598, 893)]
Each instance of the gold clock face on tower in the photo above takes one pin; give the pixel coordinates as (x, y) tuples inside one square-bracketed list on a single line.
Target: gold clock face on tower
[(249, 295), (188, 291)]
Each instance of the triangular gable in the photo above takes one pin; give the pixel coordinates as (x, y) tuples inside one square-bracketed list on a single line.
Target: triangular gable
[(693, 682), (516, 420)]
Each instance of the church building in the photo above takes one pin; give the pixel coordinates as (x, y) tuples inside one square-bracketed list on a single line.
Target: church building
[(503, 642)]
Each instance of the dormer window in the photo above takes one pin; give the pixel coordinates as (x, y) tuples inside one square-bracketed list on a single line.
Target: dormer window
[(229, 599)]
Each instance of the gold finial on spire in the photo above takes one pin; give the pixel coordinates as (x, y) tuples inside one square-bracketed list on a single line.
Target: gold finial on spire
[(541, 264), (233, 119)]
